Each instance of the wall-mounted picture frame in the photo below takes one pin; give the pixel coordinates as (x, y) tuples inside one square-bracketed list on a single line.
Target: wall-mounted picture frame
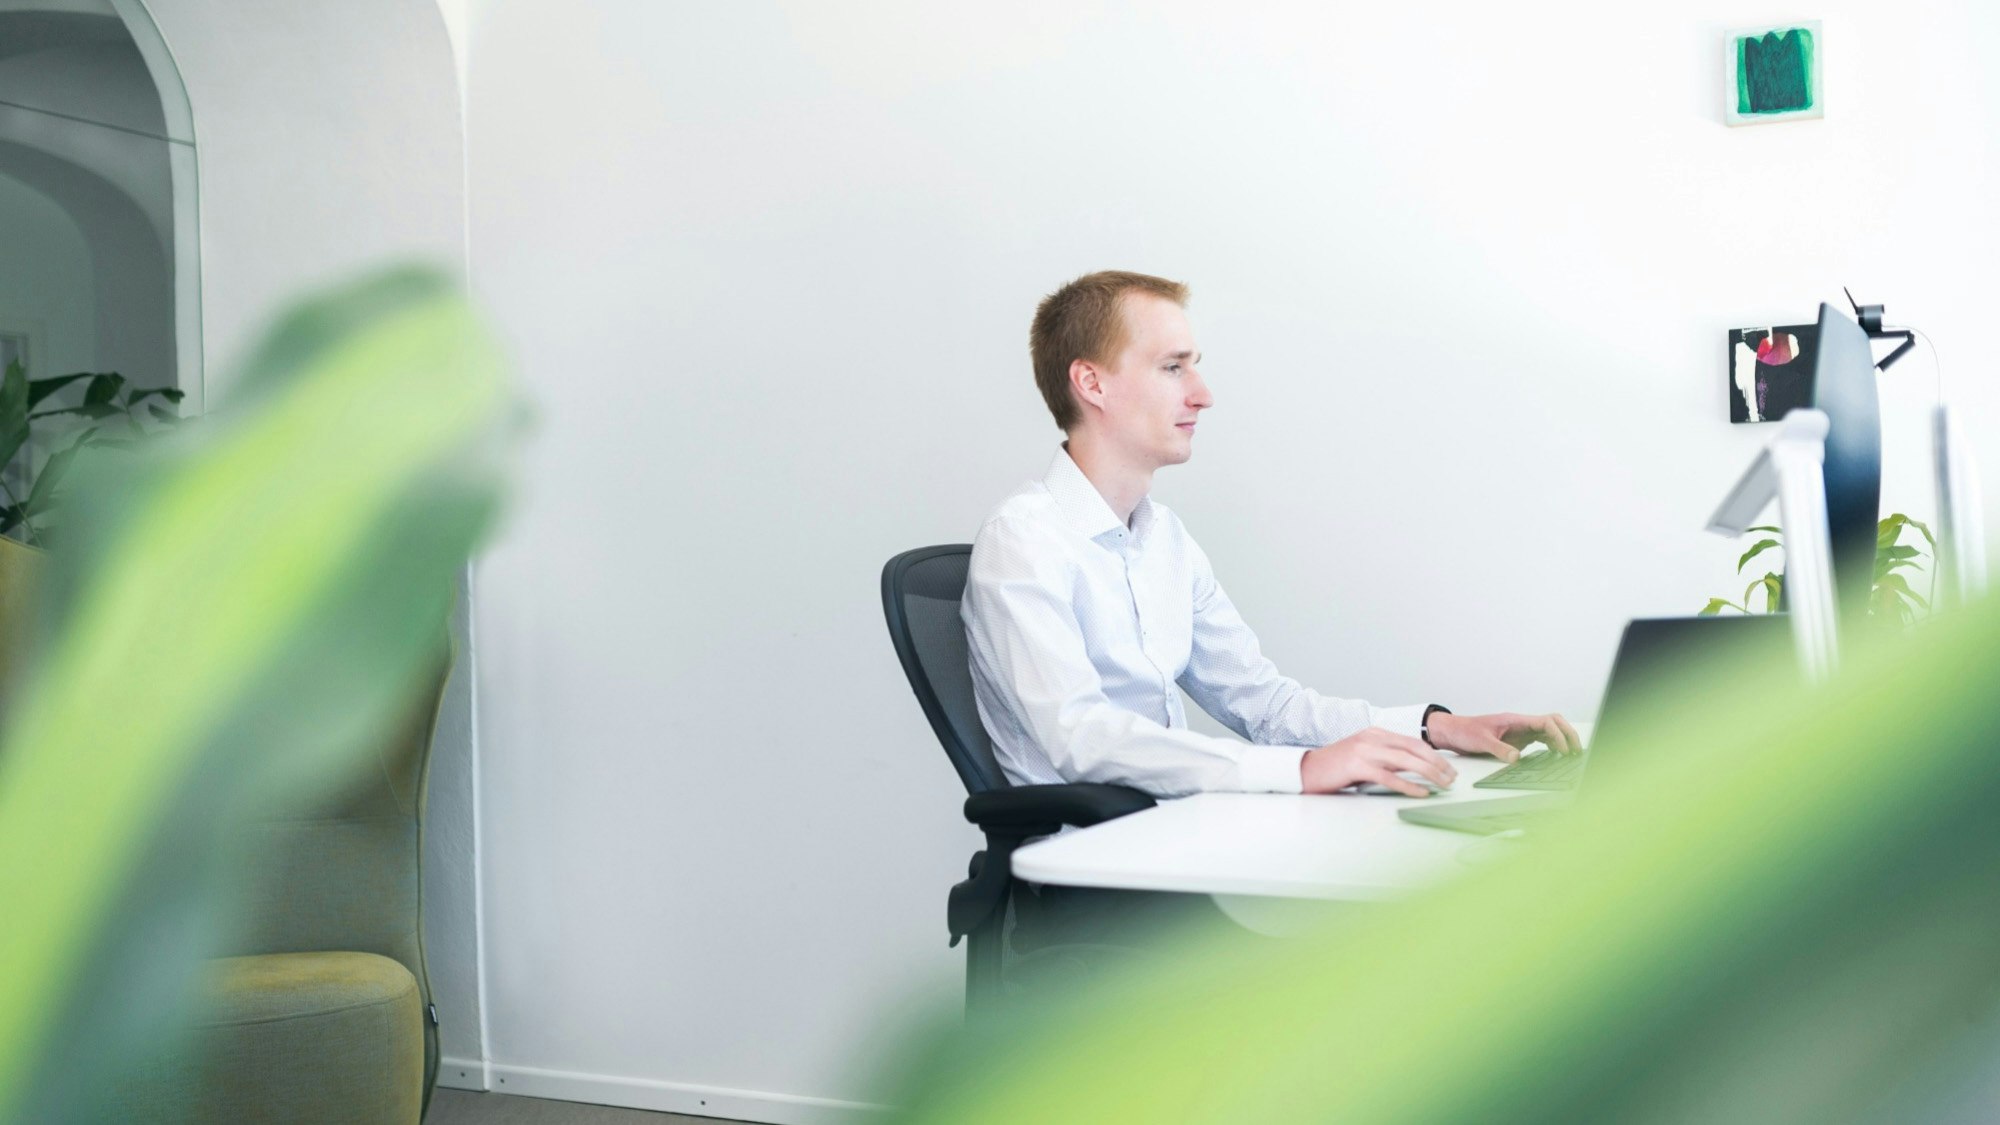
[(1770, 371), (1775, 74)]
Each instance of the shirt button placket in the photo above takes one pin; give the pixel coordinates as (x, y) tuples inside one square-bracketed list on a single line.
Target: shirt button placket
[(1139, 615)]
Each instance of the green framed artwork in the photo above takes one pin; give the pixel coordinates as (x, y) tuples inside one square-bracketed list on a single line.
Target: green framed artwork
[(1774, 74)]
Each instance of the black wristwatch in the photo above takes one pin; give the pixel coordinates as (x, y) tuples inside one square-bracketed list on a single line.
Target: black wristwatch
[(1424, 727)]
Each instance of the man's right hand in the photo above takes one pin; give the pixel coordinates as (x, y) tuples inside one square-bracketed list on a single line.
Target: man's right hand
[(1374, 755)]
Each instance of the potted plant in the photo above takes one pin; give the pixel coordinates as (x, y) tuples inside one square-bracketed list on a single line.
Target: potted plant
[(65, 413)]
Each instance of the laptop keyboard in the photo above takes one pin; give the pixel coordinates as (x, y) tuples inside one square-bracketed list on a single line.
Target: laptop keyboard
[(1544, 770)]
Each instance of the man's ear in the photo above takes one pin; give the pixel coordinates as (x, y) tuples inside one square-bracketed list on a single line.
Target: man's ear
[(1085, 380)]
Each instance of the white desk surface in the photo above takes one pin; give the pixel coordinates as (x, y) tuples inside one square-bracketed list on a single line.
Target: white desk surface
[(1340, 846)]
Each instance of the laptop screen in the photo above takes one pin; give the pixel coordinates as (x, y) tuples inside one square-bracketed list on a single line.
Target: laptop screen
[(1676, 671)]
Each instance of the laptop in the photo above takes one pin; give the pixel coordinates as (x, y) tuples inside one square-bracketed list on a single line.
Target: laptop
[(1667, 670)]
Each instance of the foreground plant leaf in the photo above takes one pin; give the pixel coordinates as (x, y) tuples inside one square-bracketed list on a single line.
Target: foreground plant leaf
[(237, 612)]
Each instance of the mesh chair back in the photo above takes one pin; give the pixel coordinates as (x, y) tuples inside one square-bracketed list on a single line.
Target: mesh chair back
[(921, 590)]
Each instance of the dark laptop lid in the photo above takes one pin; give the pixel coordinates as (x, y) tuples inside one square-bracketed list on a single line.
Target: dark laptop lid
[(1678, 671)]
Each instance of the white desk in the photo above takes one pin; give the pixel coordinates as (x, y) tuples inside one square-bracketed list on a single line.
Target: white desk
[(1335, 846)]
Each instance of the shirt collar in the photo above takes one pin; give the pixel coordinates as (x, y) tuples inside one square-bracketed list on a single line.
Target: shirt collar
[(1083, 507)]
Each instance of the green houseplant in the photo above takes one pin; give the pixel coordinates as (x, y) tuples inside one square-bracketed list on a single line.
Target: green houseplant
[(69, 413), (1891, 601)]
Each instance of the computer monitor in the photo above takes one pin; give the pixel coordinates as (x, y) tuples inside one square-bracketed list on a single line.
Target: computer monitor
[(1843, 386)]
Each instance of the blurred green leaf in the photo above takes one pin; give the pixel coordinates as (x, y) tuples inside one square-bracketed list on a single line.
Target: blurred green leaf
[(1891, 529), (1925, 530), (1717, 605), (1882, 601), (39, 389), (13, 411), (93, 410), (1773, 586), (103, 389), (1896, 584), (259, 594), (1761, 546), (43, 493), (171, 394)]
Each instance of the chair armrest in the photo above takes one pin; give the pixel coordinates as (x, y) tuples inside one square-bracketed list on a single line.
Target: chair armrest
[(1009, 817), (1036, 810)]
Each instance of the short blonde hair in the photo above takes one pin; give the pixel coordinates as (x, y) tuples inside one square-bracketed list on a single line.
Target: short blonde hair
[(1083, 320)]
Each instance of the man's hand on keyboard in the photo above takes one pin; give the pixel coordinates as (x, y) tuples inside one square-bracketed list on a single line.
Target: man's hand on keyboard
[(1503, 736), (1374, 755)]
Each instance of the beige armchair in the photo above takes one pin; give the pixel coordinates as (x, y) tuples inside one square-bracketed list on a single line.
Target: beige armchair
[(323, 1012)]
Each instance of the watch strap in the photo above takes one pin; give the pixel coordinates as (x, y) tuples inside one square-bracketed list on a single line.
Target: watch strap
[(1424, 727)]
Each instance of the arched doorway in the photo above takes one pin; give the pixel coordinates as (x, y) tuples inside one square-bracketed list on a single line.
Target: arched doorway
[(97, 170)]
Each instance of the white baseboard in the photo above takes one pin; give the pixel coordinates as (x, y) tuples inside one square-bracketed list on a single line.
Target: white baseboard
[(681, 1097), (463, 1074)]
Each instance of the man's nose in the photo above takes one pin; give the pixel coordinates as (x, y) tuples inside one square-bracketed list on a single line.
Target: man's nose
[(1199, 396)]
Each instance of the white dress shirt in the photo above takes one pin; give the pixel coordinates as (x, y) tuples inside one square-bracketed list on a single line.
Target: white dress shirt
[(1080, 628)]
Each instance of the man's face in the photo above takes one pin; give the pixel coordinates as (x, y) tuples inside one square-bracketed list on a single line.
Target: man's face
[(1152, 391)]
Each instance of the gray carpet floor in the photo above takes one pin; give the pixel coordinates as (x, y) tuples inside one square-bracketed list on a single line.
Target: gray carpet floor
[(469, 1107)]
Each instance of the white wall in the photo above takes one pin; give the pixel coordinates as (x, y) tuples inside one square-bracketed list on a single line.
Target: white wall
[(457, 15), (330, 142), (1463, 274)]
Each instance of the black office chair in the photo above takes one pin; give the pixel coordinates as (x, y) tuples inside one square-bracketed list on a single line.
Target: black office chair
[(921, 590)]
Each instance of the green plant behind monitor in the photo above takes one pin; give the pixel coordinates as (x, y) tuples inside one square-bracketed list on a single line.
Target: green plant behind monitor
[(1891, 601)]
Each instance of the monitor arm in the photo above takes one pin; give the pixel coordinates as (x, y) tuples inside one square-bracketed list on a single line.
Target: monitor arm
[(1788, 471)]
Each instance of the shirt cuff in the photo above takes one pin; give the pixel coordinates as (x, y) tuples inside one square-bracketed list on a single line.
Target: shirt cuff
[(1399, 720), (1270, 769)]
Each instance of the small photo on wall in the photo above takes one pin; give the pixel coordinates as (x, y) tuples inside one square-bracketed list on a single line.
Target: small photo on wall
[(1770, 371), (1774, 74)]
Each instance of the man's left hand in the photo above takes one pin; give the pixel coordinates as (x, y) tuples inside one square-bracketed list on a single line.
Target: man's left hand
[(1503, 736)]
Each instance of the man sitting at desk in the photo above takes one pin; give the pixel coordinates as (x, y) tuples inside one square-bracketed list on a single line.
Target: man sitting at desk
[(1087, 601)]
